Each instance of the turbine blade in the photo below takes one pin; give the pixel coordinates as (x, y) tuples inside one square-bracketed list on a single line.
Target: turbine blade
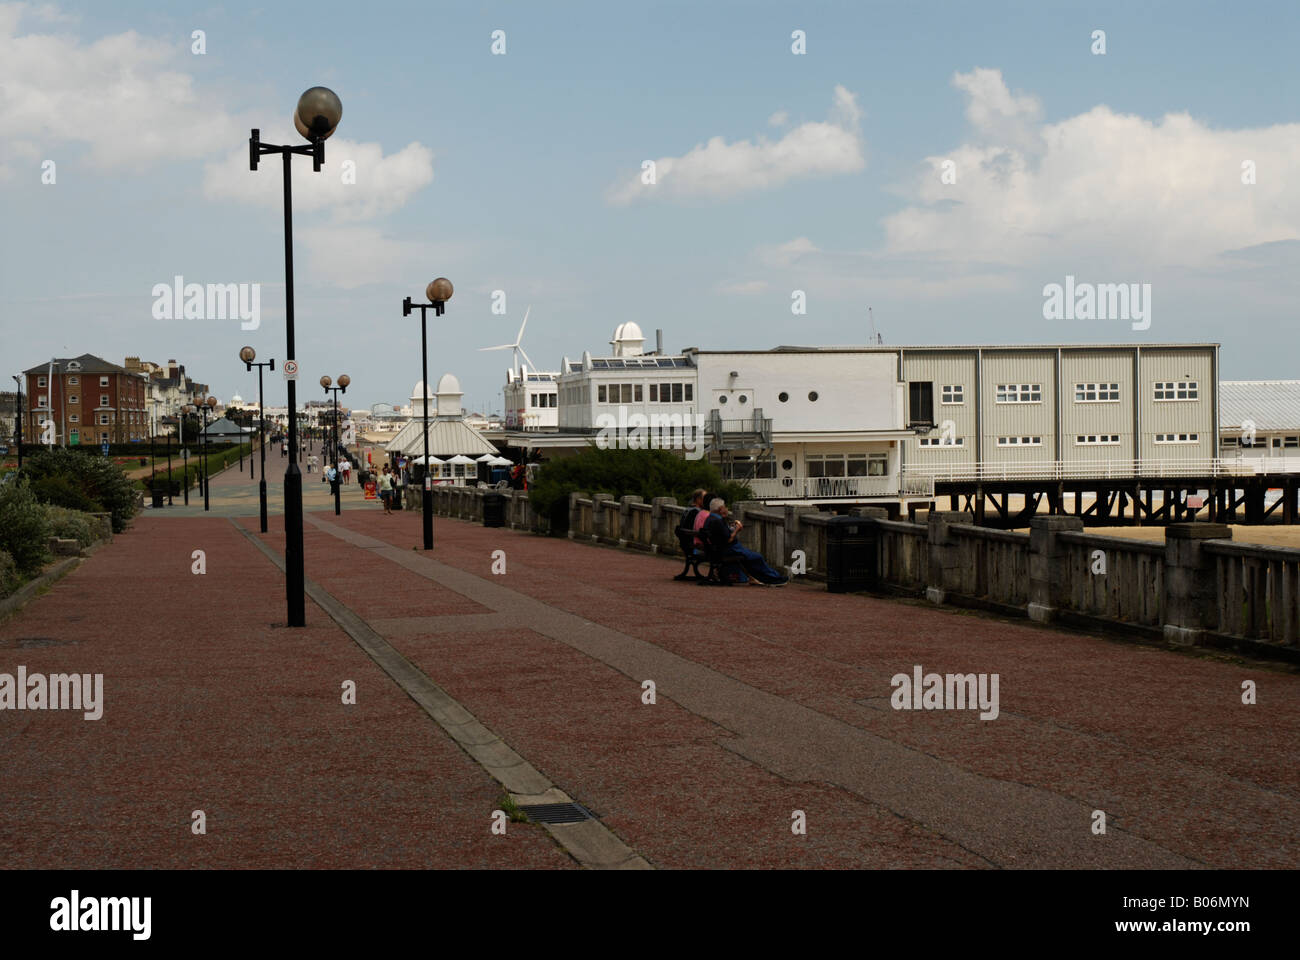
[(500, 346), (520, 339)]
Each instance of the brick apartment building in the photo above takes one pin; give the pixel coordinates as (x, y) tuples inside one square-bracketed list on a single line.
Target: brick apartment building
[(89, 399)]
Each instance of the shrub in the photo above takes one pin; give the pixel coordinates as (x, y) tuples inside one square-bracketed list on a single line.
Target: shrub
[(97, 479), (9, 577), (72, 525), (24, 527), (644, 473)]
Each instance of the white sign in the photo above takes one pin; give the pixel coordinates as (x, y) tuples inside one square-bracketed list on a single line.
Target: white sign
[(291, 369)]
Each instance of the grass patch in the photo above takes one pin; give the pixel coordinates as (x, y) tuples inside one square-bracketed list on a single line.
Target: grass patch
[(512, 810)]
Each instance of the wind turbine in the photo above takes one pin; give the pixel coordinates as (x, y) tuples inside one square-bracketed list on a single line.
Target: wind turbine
[(518, 350)]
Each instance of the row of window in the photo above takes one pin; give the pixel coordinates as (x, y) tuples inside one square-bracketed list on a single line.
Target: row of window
[(632, 393), (74, 381), (951, 394), (844, 464), (1085, 440), (543, 400), (1279, 443)]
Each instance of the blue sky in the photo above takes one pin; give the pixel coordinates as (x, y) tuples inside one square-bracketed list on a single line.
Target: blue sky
[(521, 173)]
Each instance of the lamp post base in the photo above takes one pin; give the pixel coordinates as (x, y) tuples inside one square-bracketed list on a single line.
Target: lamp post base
[(295, 587), (428, 518), (261, 495)]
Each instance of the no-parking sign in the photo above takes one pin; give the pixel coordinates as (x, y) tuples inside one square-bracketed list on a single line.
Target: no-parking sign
[(290, 369)]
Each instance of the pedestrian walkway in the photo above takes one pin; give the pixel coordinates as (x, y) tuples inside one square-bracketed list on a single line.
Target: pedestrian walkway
[(771, 708)]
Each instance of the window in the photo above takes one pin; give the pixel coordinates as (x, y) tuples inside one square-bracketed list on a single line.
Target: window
[(953, 394), (783, 396), (665, 393), (600, 393), (636, 393), (1096, 392), (857, 465), (943, 441), (689, 391), (920, 401), (625, 392), (40, 382), (677, 393), (1177, 390), (74, 380), (1019, 393), (103, 381), (812, 396), (1108, 439), (1177, 438), (877, 463), (654, 393), (41, 402), (103, 437), (1020, 441), (103, 399), (103, 418), (532, 400), (742, 399), (74, 418)]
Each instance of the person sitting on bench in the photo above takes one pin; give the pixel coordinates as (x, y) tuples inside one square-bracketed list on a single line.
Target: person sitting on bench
[(692, 548), (722, 533)]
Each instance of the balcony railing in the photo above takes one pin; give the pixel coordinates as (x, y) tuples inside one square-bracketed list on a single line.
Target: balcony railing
[(1095, 469), (822, 488), (747, 433)]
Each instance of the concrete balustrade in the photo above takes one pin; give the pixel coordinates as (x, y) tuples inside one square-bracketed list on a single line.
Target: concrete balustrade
[(1197, 587)]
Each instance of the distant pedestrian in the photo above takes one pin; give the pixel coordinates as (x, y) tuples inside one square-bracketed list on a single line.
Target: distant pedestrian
[(386, 489), (346, 467)]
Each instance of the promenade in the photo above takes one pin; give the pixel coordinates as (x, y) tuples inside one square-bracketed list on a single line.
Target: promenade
[(472, 683)]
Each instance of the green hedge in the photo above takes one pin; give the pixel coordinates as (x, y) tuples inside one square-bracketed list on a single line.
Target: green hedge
[(80, 480), (644, 473), (24, 528)]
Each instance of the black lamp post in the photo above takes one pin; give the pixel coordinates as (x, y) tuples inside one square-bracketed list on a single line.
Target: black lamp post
[(19, 422), (248, 355), (186, 411), (438, 292), (204, 407), (316, 118), (325, 382)]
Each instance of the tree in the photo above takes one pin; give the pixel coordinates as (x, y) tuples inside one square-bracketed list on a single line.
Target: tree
[(79, 480)]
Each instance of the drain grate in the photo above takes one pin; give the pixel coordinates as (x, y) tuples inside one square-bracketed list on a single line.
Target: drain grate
[(558, 813)]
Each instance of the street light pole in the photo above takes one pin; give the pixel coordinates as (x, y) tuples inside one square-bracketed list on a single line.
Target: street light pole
[(316, 117), (248, 355), (206, 406), (438, 292), (325, 382), (19, 421)]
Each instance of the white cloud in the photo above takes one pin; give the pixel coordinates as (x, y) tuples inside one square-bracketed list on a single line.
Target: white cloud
[(720, 169), (779, 119), (1097, 185), (382, 183), (354, 255), (122, 96)]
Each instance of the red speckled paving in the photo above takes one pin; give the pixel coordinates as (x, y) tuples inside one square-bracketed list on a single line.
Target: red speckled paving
[(209, 707), (1159, 740)]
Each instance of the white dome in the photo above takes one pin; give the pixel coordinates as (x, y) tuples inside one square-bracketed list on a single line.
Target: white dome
[(448, 384), (418, 391), (627, 331), (236, 399)]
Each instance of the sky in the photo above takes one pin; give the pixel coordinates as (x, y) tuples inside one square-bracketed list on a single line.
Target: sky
[(938, 163)]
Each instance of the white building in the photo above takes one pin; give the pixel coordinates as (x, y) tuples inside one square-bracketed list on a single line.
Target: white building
[(883, 423), (451, 439)]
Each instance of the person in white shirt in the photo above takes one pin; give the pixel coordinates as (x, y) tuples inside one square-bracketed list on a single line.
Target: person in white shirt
[(345, 466)]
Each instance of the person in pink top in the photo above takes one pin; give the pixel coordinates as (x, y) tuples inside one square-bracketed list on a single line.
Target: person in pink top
[(701, 516)]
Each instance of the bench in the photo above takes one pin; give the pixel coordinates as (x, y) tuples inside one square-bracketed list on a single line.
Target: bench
[(712, 556)]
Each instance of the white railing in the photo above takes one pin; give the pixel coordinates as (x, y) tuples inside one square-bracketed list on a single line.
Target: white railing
[(822, 488), (1100, 469)]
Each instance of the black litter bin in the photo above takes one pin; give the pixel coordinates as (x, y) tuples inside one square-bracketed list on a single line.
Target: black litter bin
[(494, 510), (850, 554), (158, 496)]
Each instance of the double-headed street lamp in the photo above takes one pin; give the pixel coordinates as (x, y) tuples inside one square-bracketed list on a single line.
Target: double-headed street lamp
[(325, 382), (317, 116), (248, 355), (439, 292), (204, 406)]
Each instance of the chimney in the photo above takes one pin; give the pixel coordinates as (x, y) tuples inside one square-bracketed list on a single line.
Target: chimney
[(659, 342)]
